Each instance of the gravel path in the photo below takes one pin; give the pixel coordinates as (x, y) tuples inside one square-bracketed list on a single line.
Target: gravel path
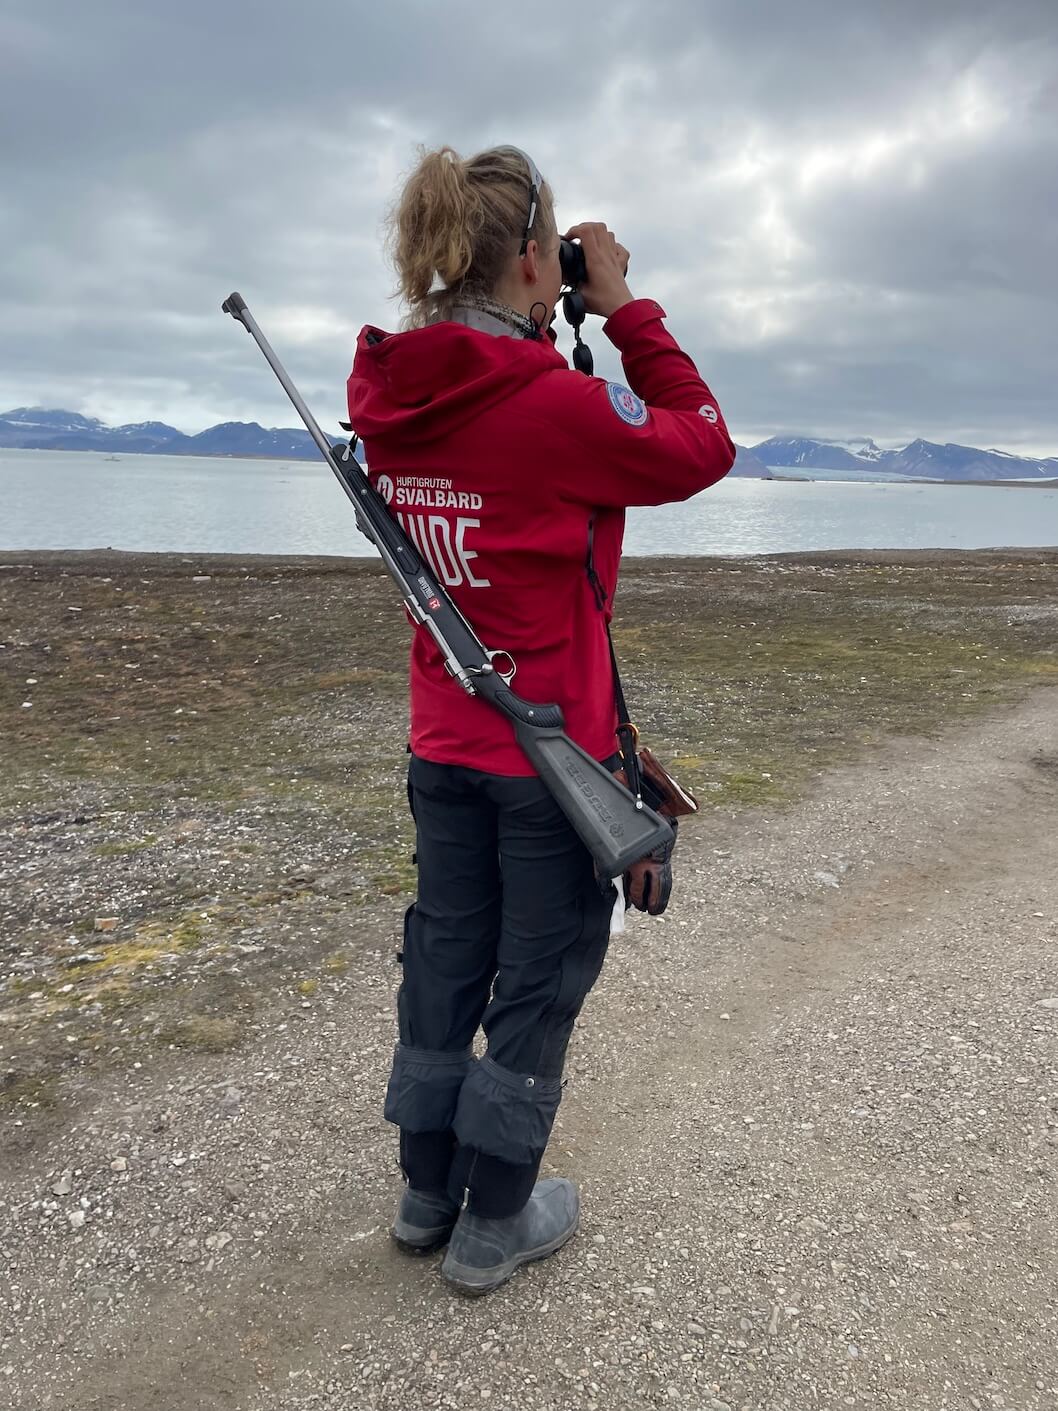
[(813, 1113)]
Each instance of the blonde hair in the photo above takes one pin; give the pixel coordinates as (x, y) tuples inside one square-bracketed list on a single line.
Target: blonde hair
[(458, 222)]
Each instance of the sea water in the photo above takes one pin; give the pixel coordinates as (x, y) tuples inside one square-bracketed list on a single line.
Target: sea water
[(220, 504)]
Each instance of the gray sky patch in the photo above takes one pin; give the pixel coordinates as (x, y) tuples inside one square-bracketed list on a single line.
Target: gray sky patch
[(849, 213)]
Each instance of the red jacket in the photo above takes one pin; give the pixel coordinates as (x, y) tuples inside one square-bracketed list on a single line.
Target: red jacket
[(495, 456)]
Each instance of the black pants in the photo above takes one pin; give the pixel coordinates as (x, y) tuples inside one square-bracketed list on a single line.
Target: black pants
[(509, 932)]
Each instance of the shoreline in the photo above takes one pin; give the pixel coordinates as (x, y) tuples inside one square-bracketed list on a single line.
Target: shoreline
[(87, 560), (1012, 484)]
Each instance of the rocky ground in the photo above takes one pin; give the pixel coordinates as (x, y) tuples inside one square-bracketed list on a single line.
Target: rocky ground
[(813, 1110)]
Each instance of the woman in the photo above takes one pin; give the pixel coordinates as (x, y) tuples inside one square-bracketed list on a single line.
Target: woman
[(512, 474)]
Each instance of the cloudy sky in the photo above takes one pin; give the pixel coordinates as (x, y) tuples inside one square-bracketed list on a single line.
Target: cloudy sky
[(849, 210)]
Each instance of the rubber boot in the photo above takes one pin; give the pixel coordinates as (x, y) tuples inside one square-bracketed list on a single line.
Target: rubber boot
[(424, 1220), (483, 1254)]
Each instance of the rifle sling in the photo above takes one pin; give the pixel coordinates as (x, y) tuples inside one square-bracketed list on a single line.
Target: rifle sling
[(627, 732)]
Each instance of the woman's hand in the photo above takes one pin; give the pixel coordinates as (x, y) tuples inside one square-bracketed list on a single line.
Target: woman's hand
[(605, 290)]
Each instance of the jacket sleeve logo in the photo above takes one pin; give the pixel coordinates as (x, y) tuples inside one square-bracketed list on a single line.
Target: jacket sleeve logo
[(627, 405)]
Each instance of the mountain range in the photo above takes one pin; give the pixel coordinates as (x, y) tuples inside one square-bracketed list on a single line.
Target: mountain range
[(33, 428), (919, 460)]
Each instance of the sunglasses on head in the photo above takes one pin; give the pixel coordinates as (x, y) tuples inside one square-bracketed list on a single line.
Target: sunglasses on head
[(536, 182)]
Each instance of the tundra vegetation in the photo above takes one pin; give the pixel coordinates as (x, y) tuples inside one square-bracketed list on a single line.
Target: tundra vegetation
[(202, 809)]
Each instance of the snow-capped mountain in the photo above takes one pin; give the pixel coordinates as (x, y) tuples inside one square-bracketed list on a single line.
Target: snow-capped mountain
[(921, 459), (36, 421), (857, 453)]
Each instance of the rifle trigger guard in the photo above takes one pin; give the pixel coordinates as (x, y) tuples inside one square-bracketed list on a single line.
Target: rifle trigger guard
[(507, 667)]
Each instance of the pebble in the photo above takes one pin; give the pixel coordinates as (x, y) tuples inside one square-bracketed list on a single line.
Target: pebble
[(696, 1330), (64, 1185), (105, 923), (76, 1218), (1051, 1003), (119, 1164), (811, 1222), (826, 879)]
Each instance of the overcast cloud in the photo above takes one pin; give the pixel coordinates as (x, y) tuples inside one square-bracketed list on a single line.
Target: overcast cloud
[(850, 211)]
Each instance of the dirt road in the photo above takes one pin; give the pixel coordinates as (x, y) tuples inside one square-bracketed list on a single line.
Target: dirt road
[(813, 1112)]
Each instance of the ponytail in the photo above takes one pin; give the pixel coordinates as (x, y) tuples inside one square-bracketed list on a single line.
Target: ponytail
[(456, 224)]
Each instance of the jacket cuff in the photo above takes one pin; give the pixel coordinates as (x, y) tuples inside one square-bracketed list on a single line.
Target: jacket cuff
[(622, 326)]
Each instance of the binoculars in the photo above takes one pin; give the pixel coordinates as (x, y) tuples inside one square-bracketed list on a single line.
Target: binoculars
[(574, 266), (575, 272)]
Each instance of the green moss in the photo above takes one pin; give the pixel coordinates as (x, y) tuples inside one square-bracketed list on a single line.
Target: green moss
[(125, 849), (204, 1033), (28, 1090)]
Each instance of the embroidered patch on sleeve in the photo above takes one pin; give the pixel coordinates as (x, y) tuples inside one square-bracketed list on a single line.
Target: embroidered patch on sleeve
[(627, 405), (709, 412)]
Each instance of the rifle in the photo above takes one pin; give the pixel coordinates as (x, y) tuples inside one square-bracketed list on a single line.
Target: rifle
[(616, 827)]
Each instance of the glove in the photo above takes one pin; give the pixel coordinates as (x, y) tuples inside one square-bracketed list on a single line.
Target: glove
[(648, 882)]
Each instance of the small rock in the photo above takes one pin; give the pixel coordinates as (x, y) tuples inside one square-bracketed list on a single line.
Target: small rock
[(826, 879), (1051, 1003), (234, 1190), (811, 1222), (219, 1241), (105, 923), (201, 578), (696, 1330), (64, 1185), (76, 1218), (119, 1164)]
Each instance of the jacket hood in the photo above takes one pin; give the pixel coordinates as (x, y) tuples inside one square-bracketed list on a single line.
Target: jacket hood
[(424, 383)]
